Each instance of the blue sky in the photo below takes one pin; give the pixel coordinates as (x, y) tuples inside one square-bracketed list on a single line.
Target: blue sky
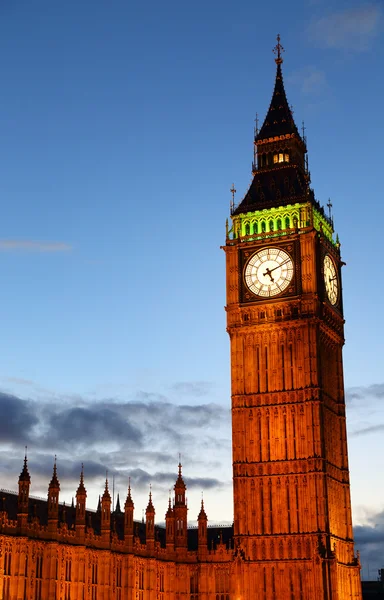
[(122, 128)]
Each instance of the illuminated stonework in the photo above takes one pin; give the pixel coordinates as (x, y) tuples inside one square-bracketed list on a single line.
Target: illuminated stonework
[(292, 536), (279, 221)]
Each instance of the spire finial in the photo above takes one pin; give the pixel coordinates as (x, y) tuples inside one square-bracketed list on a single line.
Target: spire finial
[(256, 125), (278, 49), (233, 192), (329, 204), (82, 473)]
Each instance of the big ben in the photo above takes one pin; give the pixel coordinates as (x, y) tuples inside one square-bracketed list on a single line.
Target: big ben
[(292, 511)]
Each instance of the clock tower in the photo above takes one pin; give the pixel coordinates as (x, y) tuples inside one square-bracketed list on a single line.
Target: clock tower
[(292, 510)]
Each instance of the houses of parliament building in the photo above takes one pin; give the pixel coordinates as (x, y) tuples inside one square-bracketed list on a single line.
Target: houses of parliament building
[(292, 534)]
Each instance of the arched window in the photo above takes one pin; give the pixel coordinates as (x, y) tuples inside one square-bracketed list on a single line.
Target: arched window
[(287, 223), (247, 229), (255, 228), (271, 225), (286, 157), (278, 224), (275, 158), (263, 226)]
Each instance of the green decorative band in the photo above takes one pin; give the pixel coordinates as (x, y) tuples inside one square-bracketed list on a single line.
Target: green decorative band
[(279, 221)]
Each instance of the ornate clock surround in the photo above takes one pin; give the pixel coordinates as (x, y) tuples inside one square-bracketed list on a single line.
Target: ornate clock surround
[(291, 247)]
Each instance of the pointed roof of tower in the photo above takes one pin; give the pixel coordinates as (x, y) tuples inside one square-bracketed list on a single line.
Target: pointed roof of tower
[(81, 489), (106, 495), (150, 507), (54, 483), (180, 481), (279, 119), (129, 501), (24, 475), (117, 508), (202, 513), (169, 512)]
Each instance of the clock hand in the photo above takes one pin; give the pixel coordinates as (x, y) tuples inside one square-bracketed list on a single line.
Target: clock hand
[(269, 271)]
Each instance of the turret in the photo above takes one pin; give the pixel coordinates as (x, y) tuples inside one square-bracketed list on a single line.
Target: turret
[(105, 524), (150, 523), (202, 521), (180, 511), (81, 496), (23, 497), (170, 527), (128, 518), (53, 500)]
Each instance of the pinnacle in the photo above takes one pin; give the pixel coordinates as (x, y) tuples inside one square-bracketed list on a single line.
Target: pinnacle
[(106, 495), (129, 501), (150, 507), (81, 489), (54, 483), (202, 513), (24, 475)]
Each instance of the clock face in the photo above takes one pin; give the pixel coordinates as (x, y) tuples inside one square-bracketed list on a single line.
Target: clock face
[(268, 272), (331, 280)]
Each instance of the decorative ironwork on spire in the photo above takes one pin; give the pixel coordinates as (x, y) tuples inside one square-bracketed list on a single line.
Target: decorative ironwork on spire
[(278, 49)]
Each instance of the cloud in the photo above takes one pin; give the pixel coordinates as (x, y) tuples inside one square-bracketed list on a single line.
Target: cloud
[(139, 438), (369, 540), (192, 388), (374, 392), (367, 430), (352, 29), (310, 81), (33, 246), (18, 419)]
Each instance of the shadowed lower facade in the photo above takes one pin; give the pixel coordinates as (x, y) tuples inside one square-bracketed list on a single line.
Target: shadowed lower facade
[(292, 534)]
